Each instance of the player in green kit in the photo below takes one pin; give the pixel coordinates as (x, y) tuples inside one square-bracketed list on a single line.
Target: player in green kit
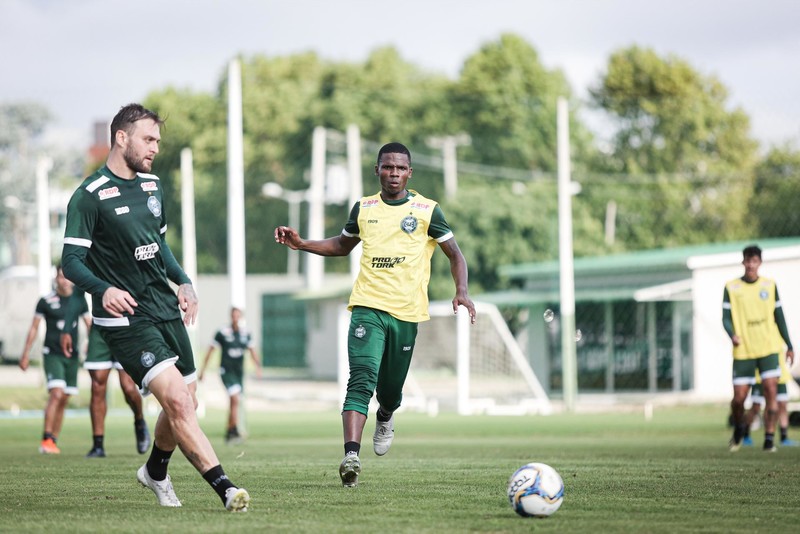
[(399, 230), (232, 341), (115, 249), (60, 369)]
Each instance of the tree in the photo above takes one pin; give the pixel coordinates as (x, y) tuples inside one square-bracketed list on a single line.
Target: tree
[(681, 158), (506, 100), (503, 223), (777, 190)]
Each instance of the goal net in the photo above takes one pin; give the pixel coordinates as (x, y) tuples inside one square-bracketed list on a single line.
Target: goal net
[(471, 369)]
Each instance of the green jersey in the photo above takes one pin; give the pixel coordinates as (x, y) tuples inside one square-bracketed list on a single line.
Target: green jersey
[(232, 344), (114, 236), (52, 309)]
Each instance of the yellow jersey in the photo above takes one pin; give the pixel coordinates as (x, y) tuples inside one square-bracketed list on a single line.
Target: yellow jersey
[(752, 306), (396, 256)]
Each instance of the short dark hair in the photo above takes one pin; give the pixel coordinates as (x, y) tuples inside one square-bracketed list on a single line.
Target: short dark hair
[(127, 115), (393, 148), (751, 251)]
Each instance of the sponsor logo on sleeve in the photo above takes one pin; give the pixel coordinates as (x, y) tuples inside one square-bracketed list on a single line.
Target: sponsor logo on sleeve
[(149, 186), (369, 203), (420, 206)]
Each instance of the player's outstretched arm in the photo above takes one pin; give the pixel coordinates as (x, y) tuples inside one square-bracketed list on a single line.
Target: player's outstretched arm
[(340, 245)]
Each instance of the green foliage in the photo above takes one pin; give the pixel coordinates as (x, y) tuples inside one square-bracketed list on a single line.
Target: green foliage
[(502, 223), (678, 162), (20, 123), (674, 132), (777, 190), (506, 100)]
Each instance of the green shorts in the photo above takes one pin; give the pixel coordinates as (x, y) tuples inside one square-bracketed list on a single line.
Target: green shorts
[(744, 371), (62, 372), (98, 355), (757, 394), (379, 350), (232, 373), (146, 349)]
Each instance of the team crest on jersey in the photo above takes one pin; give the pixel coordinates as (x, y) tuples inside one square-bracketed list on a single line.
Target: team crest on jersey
[(108, 192), (360, 331), (149, 186), (154, 206), (763, 294), (148, 359), (409, 224)]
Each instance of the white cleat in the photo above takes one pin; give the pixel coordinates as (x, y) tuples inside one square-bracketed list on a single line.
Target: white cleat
[(383, 436), (349, 470), (236, 499), (162, 488)]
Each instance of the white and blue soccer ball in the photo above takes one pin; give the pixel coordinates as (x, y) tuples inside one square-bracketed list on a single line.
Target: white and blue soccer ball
[(535, 490)]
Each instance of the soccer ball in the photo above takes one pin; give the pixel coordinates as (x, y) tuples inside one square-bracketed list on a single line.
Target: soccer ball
[(535, 490)]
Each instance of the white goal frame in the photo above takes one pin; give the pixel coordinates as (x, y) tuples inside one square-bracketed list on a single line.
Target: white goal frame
[(533, 400)]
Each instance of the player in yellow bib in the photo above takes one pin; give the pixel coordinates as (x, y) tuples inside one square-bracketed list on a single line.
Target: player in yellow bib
[(753, 318), (399, 230)]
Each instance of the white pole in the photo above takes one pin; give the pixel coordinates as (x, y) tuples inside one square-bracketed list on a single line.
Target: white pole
[(462, 363), (356, 185), (188, 232), (566, 266), (293, 256), (315, 265), (236, 254), (450, 172), (43, 166)]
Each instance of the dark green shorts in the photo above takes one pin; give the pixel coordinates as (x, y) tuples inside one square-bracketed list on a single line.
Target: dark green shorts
[(379, 349), (757, 394), (146, 349), (62, 372), (98, 355), (744, 371)]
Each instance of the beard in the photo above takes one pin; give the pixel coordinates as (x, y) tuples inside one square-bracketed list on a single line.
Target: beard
[(135, 163)]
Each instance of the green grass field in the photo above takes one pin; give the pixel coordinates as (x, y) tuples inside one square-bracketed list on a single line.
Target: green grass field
[(443, 474)]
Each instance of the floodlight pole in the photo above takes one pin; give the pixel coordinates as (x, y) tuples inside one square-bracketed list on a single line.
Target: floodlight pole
[(188, 231), (356, 186), (569, 371), (236, 238), (448, 144), (43, 167), (315, 265)]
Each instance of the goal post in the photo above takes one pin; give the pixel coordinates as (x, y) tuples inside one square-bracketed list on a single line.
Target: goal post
[(466, 368)]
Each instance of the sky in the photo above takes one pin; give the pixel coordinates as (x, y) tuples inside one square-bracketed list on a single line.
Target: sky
[(83, 59)]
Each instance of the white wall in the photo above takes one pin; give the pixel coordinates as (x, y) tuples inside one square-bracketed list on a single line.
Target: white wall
[(214, 294), (713, 359)]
